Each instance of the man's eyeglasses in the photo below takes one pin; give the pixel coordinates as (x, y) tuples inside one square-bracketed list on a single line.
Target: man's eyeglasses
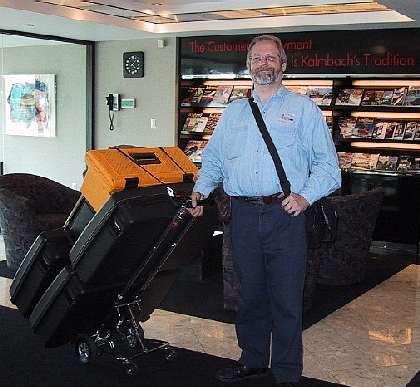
[(264, 58)]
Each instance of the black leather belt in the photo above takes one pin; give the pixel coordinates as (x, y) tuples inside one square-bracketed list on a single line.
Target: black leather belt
[(275, 198)]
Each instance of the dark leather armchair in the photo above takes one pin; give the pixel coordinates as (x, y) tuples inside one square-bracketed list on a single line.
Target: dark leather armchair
[(30, 204), (344, 261)]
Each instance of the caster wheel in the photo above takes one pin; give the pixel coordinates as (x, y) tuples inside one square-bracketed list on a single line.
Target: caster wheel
[(170, 354), (131, 338), (131, 369), (85, 350)]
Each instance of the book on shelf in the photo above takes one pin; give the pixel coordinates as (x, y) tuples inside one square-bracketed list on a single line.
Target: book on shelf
[(398, 96), (240, 92), (410, 130), (222, 94), (363, 128), (212, 121), (404, 164), (398, 131), (344, 159), (347, 125), (351, 97), (412, 97), (194, 150), (387, 163), (195, 122), (372, 97), (364, 160), (320, 95)]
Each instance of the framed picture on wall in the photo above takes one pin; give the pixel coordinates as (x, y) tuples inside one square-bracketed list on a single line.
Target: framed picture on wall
[(29, 105)]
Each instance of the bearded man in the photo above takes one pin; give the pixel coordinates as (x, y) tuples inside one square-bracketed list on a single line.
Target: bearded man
[(268, 228)]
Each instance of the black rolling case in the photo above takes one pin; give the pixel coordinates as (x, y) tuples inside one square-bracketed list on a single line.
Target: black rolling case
[(129, 253), (46, 257)]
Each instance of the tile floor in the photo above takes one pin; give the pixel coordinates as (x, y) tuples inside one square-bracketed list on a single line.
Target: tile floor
[(372, 341)]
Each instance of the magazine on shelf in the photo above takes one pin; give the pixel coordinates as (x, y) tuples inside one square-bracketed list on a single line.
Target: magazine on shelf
[(372, 97), (347, 126), (320, 95), (329, 121), (349, 97), (240, 92), (344, 159), (380, 129), (364, 128), (412, 97), (386, 98), (222, 94), (417, 134), (364, 160), (299, 89), (387, 163), (398, 131), (390, 130), (195, 122), (208, 95), (398, 96), (404, 164), (212, 121), (410, 130), (188, 96), (194, 150), (415, 165)]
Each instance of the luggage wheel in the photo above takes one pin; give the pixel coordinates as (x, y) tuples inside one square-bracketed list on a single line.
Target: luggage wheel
[(85, 350)]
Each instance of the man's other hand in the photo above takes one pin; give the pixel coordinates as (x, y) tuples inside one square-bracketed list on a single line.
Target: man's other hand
[(295, 204), (196, 210)]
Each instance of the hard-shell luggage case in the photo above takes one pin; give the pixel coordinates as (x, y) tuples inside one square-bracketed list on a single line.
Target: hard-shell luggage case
[(47, 256), (137, 239), (116, 169)]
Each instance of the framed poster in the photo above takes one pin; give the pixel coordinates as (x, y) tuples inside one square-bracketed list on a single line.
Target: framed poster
[(29, 105)]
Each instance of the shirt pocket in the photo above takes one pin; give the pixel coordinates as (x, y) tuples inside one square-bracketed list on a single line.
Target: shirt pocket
[(284, 134)]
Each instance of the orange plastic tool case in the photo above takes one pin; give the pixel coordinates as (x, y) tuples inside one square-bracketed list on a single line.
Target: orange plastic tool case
[(115, 169)]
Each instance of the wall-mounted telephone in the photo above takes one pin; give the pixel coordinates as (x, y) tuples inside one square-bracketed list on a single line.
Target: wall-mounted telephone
[(113, 101)]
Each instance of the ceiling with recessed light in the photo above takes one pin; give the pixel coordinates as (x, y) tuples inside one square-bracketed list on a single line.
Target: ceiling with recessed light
[(129, 19)]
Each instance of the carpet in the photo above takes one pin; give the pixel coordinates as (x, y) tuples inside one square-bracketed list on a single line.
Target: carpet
[(25, 362)]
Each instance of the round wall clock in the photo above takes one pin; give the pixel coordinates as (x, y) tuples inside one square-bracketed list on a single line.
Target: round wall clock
[(133, 64)]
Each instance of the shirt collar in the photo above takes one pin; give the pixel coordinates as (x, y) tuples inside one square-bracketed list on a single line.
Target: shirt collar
[(278, 94)]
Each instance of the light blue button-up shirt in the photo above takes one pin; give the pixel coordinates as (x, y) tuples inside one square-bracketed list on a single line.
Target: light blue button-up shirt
[(238, 156)]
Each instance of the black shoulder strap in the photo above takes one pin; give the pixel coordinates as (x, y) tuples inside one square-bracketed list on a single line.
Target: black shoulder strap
[(285, 184)]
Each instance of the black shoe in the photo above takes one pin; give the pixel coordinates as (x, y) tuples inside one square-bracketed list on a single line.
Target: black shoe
[(287, 384), (239, 372)]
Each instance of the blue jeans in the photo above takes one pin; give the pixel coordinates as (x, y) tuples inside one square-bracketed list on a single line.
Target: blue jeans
[(269, 252)]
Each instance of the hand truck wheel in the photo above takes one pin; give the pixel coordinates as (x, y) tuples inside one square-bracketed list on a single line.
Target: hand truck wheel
[(85, 350), (131, 368), (169, 354)]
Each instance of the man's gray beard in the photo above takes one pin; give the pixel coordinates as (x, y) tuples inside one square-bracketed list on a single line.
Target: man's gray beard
[(266, 78)]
